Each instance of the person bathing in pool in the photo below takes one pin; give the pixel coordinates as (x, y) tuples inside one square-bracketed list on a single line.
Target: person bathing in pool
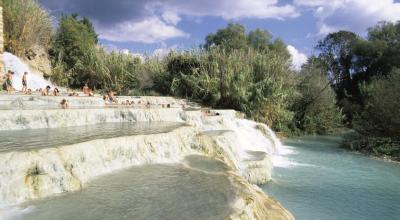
[(86, 90), (46, 91)]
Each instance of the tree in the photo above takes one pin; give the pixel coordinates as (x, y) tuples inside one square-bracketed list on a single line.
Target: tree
[(380, 53), (378, 122), (90, 28), (259, 39), (74, 46), (315, 107), (380, 115), (337, 54), (229, 38)]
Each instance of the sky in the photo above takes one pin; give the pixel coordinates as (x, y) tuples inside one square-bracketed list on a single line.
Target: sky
[(158, 26)]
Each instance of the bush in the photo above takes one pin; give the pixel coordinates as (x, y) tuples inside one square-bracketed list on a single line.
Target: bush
[(315, 105), (26, 24), (255, 82), (378, 123), (380, 116), (373, 145)]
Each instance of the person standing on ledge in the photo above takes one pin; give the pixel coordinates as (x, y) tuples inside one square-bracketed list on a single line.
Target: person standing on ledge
[(9, 81), (24, 83)]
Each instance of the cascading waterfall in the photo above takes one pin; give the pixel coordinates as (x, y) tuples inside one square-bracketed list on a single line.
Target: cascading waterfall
[(15, 64), (38, 173)]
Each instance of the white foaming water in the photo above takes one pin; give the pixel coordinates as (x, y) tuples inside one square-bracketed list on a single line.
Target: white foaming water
[(15, 64), (247, 145), (286, 150), (278, 158), (64, 168), (284, 162), (13, 212), (252, 139), (281, 160)]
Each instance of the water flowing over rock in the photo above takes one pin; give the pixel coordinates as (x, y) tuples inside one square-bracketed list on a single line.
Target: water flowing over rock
[(13, 63), (27, 174)]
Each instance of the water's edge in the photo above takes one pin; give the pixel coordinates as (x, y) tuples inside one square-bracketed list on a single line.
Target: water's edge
[(325, 181)]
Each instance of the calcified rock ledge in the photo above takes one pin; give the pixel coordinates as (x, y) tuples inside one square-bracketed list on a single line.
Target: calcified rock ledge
[(243, 145)]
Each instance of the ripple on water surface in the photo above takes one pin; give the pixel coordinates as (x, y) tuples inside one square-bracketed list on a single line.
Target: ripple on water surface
[(326, 182), (146, 192)]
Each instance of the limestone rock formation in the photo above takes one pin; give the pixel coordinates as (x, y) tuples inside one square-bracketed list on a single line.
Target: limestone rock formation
[(38, 60), (245, 146)]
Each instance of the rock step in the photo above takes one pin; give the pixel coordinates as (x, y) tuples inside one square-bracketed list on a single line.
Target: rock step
[(44, 172), (55, 118), (34, 139)]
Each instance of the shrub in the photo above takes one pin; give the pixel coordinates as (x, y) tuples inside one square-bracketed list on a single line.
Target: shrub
[(26, 24)]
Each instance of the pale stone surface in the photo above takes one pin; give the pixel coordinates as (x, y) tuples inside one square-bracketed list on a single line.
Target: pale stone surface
[(45, 172), (39, 63), (244, 145)]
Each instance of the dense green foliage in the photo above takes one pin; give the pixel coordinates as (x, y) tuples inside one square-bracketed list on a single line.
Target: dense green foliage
[(378, 124), (246, 71), (73, 49), (365, 76), (26, 25), (315, 107), (247, 80), (234, 37), (77, 59)]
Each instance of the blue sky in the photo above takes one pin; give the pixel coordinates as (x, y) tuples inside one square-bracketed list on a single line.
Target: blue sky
[(157, 26)]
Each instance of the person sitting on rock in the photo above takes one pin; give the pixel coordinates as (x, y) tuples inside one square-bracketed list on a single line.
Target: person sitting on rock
[(46, 91), (110, 98), (24, 83)]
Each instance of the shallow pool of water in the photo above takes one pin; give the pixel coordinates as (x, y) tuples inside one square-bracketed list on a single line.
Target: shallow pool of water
[(22, 140), (149, 192), (318, 180)]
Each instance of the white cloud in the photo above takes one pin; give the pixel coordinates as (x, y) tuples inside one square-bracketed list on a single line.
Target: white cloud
[(324, 29), (164, 50), (150, 30), (125, 51), (353, 15), (232, 9), (298, 58), (171, 17), (160, 21)]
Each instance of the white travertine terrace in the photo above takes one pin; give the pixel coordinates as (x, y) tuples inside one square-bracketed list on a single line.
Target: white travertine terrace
[(244, 145)]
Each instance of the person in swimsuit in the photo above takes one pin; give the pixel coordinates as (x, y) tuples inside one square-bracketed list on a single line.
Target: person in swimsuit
[(56, 92), (64, 104), (9, 81), (46, 91), (111, 99), (86, 89), (24, 83)]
